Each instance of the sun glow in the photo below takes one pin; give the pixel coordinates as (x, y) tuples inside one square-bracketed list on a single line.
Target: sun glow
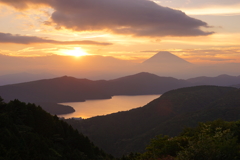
[(77, 52)]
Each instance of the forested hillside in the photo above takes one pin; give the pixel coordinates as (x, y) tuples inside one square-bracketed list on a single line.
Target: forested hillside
[(27, 132), (130, 131), (215, 140)]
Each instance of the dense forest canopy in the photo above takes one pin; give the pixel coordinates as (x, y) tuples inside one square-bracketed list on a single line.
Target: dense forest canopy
[(28, 132), (215, 140)]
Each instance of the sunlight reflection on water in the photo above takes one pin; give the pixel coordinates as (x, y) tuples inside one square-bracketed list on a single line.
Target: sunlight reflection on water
[(91, 108)]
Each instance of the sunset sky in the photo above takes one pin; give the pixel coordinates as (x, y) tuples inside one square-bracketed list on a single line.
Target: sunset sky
[(200, 31)]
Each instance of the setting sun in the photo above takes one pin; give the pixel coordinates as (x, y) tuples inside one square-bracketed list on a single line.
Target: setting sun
[(77, 52)]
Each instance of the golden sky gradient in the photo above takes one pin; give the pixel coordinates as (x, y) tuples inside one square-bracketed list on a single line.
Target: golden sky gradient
[(205, 31)]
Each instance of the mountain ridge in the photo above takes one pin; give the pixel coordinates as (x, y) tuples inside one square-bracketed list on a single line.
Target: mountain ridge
[(70, 89), (220, 80), (85, 88), (23, 77)]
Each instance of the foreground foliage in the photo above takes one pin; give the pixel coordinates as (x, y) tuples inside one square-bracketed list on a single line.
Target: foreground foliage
[(27, 132), (216, 140)]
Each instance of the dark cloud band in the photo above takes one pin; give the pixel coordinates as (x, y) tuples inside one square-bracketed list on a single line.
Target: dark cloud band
[(10, 38), (130, 17)]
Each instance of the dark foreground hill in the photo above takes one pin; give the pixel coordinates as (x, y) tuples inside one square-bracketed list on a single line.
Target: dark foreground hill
[(27, 132), (131, 131), (69, 89)]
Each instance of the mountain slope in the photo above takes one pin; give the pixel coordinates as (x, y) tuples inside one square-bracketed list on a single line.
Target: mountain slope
[(28, 132), (221, 80), (164, 57), (167, 64), (227, 108), (130, 131), (62, 89), (145, 83)]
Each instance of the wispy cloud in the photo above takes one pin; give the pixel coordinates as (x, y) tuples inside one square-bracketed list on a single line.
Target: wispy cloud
[(217, 59), (19, 39), (127, 17), (196, 3), (214, 10)]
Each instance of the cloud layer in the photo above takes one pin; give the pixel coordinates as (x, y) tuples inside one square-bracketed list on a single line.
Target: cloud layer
[(10, 38), (196, 3), (130, 17)]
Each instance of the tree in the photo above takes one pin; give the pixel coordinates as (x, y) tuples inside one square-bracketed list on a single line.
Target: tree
[(219, 144)]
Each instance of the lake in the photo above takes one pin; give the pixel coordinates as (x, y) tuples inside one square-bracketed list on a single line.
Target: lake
[(91, 108)]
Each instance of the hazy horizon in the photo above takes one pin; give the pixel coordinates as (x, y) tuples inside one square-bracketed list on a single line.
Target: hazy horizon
[(106, 67)]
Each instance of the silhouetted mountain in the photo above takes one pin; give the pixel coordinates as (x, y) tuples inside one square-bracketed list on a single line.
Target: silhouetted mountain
[(130, 131), (62, 89), (164, 57), (23, 77), (167, 64), (69, 89), (221, 80), (145, 83), (28, 132)]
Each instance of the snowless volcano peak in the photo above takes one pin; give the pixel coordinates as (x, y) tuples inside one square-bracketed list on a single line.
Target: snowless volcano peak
[(165, 57)]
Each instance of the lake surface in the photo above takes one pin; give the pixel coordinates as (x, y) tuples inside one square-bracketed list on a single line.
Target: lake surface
[(91, 108)]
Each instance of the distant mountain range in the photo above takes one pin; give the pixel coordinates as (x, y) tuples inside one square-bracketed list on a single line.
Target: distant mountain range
[(144, 83), (124, 132), (70, 89), (97, 67), (221, 80)]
